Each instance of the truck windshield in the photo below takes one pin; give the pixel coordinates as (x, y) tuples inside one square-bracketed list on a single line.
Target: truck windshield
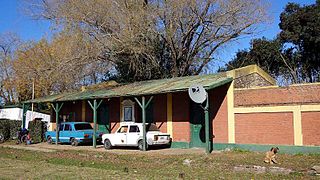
[(152, 127), (82, 127)]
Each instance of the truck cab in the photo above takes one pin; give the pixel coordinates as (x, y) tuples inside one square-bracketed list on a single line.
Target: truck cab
[(73, 133), (130, 134)]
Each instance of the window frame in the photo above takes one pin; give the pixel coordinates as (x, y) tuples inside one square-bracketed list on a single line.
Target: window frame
[(69, 129), (127, 103), (137, 129), (61, 129), (119, 130)]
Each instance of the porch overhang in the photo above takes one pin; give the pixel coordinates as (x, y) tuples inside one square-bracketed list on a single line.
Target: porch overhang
[(142, 88)]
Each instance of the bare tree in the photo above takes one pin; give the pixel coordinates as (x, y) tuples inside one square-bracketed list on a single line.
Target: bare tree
[(175, 38), (64, 64), (8, 44)]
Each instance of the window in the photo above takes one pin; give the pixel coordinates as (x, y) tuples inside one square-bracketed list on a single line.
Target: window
[(134, 129), (123, 129), (61, 127), (67, 127), (128, 111), (82, 126)]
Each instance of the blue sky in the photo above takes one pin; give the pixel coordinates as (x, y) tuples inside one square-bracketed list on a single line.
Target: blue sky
[(12, 19)]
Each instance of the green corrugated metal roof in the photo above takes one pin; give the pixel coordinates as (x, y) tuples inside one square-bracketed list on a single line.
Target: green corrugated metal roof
[(141, 88)]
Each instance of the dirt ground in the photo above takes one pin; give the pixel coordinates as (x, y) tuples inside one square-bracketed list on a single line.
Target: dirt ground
[(44, 147)]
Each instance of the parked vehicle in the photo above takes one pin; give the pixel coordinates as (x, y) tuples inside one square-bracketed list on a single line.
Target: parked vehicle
[(73, 133), (130, 134)]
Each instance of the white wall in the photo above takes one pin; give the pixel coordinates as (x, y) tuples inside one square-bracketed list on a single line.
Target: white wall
[(16, 114)]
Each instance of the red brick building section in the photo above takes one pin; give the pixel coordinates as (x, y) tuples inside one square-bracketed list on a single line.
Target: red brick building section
[(219, 113), (311, 128), (181, 116), (269, 96), (114, 114), (264, 128), (160, 111)]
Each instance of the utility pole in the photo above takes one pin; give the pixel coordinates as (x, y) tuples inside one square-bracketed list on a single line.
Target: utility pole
[(32, 116)]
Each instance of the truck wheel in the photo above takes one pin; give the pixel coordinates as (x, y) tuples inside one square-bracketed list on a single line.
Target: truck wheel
[(74, 142), (1, 138), (107, 144), (168, 145), (49, 140), (140, 145)]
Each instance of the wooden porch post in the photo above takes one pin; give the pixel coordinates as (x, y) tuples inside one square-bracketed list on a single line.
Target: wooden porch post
[(94, 107), (143, 106), (24, 115), (57, 110), (207, 124)]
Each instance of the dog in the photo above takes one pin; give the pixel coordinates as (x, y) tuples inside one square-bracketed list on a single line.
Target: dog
[(271, 156)]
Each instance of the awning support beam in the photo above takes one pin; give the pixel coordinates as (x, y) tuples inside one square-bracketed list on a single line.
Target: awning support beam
[(57, 110), (95, 107), (25, 108), (207, 124), (144, 106)]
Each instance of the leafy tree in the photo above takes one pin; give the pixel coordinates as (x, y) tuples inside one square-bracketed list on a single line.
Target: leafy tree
[(265, 53), (301, 28), (294, 56), (270, 56), (147, 39)]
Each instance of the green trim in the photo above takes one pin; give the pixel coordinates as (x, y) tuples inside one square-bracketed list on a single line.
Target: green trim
[(182, 145), (94, 108), (258, 147)]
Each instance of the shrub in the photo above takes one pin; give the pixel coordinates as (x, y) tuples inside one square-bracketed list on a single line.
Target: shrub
[(37, 130), (9, 128), (5, 129), (15, 125)]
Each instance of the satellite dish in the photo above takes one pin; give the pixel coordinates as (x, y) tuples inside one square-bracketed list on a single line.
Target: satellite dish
[(197, 93)]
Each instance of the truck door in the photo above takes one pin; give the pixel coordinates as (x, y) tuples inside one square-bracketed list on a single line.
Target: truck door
[(61, 133), (121, 136), (133, 135), (65, 133)]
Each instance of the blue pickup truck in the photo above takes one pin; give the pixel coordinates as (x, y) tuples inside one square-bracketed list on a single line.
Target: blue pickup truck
[(73, 133)]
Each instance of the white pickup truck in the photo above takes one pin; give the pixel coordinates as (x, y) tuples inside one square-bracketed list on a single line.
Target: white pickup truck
[(130, 134)]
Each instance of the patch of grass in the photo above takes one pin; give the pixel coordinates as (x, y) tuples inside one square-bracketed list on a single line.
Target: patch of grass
[(240, 150), (70, 164), (299, 154)]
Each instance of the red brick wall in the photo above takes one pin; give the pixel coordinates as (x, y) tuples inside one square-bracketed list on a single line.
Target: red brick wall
[(138, 111), (264, 128), (302, 94), (89, 113), (160, 111), (219, 113), (67, 108), (114, 113), (311, 128), (181, 116)]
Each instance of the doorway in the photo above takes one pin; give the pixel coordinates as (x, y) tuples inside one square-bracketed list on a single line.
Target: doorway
[(103, 118), (197, 125)]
